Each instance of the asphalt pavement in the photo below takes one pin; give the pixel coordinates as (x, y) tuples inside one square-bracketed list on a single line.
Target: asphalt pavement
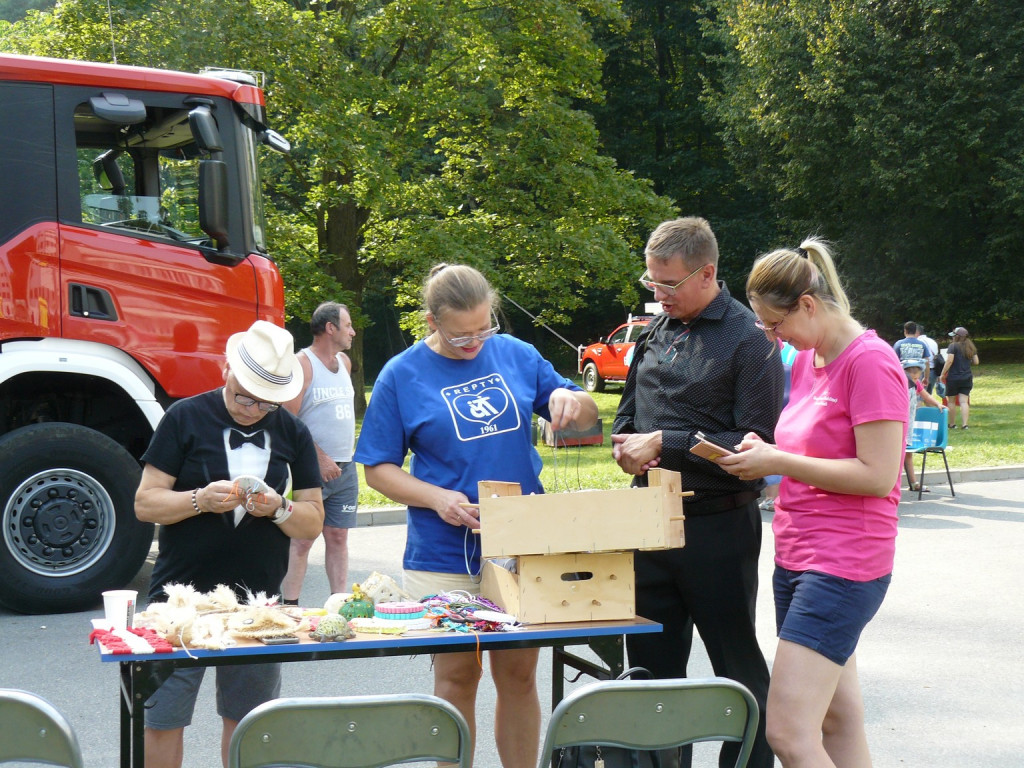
[(941, 666)]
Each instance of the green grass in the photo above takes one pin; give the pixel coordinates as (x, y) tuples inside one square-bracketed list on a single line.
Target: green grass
[(996, 437)]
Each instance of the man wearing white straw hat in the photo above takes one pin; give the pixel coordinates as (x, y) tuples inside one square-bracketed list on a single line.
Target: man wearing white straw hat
[(217, 478)]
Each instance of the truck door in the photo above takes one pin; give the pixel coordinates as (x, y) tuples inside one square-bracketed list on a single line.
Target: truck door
[(614, 365), (135, 271), (29, 304)]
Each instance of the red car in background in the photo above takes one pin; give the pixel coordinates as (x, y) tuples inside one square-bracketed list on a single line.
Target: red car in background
[(608, 358)]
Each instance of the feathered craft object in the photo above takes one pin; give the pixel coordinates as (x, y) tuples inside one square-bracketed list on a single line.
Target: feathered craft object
[(214, 620), (222, 598), (256, 621)]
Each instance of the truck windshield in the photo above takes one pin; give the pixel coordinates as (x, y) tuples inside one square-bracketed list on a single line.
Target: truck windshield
[(251, 182)]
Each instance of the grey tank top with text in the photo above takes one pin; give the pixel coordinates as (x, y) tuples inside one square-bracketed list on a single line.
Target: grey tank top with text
[(328, 409)]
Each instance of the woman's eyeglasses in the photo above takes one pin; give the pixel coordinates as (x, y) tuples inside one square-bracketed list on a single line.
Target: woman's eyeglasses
[(462, 341), (770, 328), (650, 285)]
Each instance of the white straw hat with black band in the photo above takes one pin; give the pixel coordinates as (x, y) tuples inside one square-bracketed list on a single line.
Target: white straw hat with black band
[(264, 363)]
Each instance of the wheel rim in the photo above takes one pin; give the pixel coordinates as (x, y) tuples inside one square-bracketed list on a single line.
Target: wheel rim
[(58, 522), (590, 377)]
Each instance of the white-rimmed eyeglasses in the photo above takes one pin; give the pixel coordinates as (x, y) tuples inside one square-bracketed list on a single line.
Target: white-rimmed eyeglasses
[(462, 341)]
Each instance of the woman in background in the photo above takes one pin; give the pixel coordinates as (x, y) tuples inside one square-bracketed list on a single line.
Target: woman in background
[(958, 377), (840, 442)]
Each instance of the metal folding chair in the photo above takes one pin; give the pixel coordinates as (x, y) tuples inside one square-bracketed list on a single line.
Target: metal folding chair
[(33, 731), (654, 714), (351, 732), (929, 434)]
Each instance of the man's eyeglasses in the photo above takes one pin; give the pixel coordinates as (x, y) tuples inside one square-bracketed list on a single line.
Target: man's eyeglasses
[(248, 402), (771, 328), (462, 341), (650, 285)]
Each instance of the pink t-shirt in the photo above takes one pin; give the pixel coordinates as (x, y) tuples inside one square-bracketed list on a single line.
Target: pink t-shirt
[(853, 537)]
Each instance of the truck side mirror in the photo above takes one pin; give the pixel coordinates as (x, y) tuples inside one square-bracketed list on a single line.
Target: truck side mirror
[(276, 141), (204, 130), (213, 201), (108, 173)]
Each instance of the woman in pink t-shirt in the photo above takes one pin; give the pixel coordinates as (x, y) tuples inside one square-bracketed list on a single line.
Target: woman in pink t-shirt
[(840, 443)]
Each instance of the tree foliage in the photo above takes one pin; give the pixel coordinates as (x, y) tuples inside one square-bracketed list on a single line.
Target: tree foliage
[(13, 10), (655, 122), (423, 130), (464, 130), (895, 129)]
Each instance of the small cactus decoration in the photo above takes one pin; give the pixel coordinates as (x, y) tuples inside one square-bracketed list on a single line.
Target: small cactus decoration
[(359, 606)]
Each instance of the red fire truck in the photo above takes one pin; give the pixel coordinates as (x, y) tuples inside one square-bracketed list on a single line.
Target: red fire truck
[(132, 245)]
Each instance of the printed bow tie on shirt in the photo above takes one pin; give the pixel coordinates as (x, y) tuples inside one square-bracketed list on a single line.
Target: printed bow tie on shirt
[(236, 439)]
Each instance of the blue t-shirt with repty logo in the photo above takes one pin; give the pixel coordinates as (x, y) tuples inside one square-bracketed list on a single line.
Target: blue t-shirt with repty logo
[(464, 421), (482, 407)]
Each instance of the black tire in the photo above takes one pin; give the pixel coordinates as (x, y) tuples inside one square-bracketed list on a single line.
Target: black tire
[(592, 381), (67, 507)]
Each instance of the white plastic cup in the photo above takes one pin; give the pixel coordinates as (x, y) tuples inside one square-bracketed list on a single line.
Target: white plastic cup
[(119, 607)]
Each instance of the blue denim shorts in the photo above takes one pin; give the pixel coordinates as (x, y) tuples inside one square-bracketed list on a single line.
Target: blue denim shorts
[(825, 613), (239, 689)]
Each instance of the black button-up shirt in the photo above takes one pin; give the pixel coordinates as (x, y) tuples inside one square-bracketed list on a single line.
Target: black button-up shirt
[(718, 374)]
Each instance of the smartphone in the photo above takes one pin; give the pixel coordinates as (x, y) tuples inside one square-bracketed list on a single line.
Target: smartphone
[(709, 449), (280, 640)]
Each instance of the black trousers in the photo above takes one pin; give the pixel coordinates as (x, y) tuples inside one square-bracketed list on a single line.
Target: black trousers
[(711, 583)]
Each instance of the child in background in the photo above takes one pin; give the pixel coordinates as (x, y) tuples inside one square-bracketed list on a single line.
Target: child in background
[(915, 392)]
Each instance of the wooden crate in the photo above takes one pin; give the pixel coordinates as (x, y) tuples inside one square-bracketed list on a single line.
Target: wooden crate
[(582, 521), (557, 588)]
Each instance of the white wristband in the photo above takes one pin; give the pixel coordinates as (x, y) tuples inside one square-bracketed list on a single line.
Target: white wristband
[(284, 512)]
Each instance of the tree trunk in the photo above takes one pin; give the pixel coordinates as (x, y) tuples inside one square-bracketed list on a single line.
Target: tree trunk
[(341, 231)]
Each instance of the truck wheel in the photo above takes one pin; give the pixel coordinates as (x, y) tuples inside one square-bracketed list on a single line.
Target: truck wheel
[(592, 381), (68, 517)]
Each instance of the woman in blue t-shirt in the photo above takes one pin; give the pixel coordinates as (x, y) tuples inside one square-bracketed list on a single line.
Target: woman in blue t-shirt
[(462, 401)]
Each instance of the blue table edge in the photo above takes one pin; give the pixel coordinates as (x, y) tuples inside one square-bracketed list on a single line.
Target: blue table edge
[(575, 633)]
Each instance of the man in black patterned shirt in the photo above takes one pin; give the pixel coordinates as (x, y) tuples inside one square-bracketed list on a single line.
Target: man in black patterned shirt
[(701, 366)]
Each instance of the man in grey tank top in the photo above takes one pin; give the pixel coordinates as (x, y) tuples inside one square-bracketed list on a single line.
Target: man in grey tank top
[(325, 405)]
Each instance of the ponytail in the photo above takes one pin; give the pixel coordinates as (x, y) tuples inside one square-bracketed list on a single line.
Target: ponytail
[(778, 279)]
